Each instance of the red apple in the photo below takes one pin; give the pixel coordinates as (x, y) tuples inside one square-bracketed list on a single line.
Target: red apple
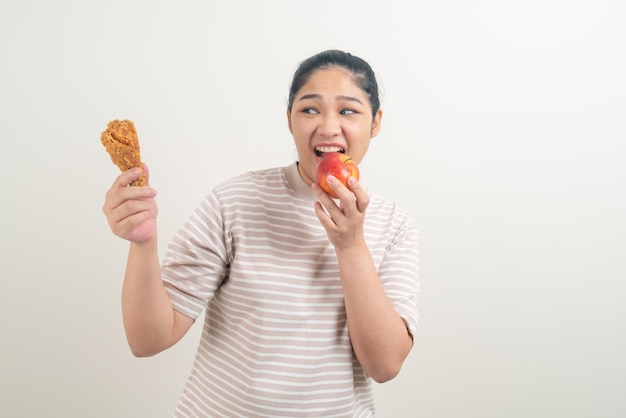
[(339, 165)]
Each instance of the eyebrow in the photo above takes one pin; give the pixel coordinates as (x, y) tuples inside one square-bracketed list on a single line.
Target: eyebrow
[(318, 96)]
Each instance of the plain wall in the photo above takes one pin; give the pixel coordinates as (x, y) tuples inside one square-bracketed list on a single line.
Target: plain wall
[(503, 134)]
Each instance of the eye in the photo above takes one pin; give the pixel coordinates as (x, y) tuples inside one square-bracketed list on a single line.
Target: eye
[(348, 112), (309, 111)]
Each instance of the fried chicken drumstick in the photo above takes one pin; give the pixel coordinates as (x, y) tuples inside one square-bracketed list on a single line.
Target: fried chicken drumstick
[(121, 142)]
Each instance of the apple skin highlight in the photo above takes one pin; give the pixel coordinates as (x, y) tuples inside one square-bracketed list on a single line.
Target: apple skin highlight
[(338, 165)]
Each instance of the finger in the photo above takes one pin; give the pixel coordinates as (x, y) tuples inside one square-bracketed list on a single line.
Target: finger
[(347, 198), (118, 195), (322, 196), (325, 219), (127, 177), (338, 187), (133, 207), (112, 198), (146, 173), (131, 214), (362, 198), (328, 204), (128, 227)]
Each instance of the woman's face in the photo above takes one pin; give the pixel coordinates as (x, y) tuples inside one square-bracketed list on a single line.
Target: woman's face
[(330, 113)]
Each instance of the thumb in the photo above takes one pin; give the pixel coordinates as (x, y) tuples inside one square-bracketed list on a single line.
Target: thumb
[(146, 173)]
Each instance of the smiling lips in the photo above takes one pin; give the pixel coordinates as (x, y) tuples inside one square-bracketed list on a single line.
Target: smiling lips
[(320, 151)]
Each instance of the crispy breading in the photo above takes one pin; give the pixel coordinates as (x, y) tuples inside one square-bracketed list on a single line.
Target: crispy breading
[(121, 142)]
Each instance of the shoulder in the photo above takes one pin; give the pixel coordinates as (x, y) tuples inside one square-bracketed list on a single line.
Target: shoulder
[(260, 187), (252, 181), (383, 207), (387, 217)]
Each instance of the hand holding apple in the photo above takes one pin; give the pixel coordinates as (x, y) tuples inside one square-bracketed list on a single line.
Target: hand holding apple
[(338, 165)]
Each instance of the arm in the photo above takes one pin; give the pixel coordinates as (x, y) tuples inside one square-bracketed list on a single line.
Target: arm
[(150, 322), (379, 336)]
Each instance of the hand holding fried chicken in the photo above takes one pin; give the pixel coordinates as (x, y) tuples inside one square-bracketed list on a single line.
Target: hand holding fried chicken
[(131, 211)]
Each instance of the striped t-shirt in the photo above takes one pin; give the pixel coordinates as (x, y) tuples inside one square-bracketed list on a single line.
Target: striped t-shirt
[(275, 340)]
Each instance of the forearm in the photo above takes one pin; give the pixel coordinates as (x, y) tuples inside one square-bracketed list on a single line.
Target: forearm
[(147, 311), (379, 337)]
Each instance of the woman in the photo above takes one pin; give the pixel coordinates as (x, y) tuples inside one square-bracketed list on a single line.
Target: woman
[(307, 297)]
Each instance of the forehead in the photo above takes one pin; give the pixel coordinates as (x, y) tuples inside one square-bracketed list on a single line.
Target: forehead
[(331, 81)]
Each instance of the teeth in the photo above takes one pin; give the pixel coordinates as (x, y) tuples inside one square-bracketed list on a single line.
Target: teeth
[(329, 149)]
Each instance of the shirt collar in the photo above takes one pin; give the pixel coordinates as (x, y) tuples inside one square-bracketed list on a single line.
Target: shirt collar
[(300, 188)]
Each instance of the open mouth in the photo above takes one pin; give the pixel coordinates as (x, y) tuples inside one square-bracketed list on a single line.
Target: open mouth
[(321, 151)]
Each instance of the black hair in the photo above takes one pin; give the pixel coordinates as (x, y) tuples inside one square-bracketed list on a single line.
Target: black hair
[(359, 69)]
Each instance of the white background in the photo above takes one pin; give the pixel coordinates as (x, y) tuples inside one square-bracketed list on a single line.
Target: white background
[(504, 135)]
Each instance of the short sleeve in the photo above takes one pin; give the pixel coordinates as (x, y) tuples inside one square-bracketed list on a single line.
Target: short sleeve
[(399, 272), (196, 260)]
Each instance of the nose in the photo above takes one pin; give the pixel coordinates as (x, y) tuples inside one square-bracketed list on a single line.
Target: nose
[(330, 125)]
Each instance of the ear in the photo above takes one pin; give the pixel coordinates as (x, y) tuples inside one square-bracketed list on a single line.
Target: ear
[(376, 123), (289, 120)]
